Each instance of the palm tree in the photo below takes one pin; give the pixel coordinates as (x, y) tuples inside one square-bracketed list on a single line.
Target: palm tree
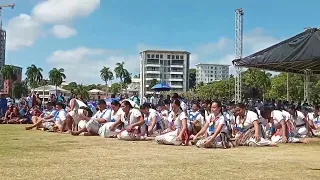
[(34, 76), (7, 72), (56, 77), (120, 72), (126, 78), (106, 74)]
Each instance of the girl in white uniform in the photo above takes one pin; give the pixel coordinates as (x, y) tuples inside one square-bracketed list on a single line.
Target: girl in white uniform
[(278, 128), (248, 128), (132, 120), (153, 123), (215, 128), (177, 133), (116, 114), (301, 125), (314, 120)]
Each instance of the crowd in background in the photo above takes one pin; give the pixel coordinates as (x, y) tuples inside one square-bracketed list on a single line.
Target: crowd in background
[(172, 120)]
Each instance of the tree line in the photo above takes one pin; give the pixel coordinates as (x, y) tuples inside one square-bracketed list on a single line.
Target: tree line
[(257, 84), (34, 78)]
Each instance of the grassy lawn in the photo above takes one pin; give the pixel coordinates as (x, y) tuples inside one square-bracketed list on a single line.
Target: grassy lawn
[(43, 155)]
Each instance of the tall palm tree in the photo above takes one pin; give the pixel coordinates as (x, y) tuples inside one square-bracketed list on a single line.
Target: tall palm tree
[(81, 90), (120, 72), (34, 76), (56, 77), (7, 73), (106, 74)]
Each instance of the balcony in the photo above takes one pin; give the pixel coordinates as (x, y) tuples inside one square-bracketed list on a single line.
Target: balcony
[(176, 86), (150, 78), (152, 72), (176, 79), (152, 65), (176, 72), (176, 65)]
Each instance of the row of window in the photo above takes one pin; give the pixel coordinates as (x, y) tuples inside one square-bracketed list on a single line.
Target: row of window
[(213, 67), (216, 72), (157, 56)]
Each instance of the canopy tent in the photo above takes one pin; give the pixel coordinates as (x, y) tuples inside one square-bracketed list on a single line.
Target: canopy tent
[(50, 88), (294, 55), (161, 87), (96, 91), (299, 54)]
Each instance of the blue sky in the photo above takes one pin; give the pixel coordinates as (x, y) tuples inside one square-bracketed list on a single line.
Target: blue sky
[(82, 36)]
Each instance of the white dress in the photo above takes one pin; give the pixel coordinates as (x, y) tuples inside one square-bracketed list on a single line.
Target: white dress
[(221, 139), (93, 125), (133, 117), (246, 131), (170, 138), (277, 117), (104, 131), (148, 122)]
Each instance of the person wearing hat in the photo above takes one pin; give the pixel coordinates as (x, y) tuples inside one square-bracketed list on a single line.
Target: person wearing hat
[(102, 116)]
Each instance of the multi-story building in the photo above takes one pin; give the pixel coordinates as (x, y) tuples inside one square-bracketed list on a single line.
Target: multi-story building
[(134, 86), (171, 67), (207, 73), (8, 84), (2, 53)]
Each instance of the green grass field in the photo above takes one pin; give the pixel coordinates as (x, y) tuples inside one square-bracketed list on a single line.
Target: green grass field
[(42, 155)]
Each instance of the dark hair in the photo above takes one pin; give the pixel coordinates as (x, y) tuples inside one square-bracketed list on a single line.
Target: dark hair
[(219, 104), (61, 105), (115, 103), (176, 102), (90, 113), (127, 103), (264, 110), (241, 105), (113, 96), (316, 107), (208, 102), (145, 105), (167, 101), (175, 96), (196, 103)]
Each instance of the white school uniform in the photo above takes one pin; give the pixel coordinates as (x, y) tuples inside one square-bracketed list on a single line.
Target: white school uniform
[(93, 125)]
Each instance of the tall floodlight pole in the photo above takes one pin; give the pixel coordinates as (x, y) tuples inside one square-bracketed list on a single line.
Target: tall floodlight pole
[(238, 52), (4, 6)]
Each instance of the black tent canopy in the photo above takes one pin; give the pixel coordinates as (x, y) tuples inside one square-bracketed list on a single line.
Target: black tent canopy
[(294, 55)]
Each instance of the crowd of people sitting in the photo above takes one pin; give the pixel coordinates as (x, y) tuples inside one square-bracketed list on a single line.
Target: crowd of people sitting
[(205, 124)]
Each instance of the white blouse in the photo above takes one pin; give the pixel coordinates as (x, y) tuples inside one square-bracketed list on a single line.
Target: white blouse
[(176, 119), (133, 116)]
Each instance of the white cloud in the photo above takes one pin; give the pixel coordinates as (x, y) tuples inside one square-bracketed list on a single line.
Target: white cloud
[(63, 31), (83, 64), (22, 31), (57, 11), (253, 41)]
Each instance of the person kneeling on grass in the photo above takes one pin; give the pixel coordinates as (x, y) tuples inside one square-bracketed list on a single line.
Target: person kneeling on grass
[(96, 122), (216, 128)]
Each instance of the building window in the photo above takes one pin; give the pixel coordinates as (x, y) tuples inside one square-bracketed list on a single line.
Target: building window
[(177, 56), (157, 56), (152, 55), (168, 56), (181, 57), (148, 55), (211, 67), (161, 56), (173, 56)]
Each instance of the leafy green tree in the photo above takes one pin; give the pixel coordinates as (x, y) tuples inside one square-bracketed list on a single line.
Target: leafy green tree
[(56, 77), (20, 89), (7, 73), (152, 83), (115, 88), (106, 74), (192, 78), (33, 76)]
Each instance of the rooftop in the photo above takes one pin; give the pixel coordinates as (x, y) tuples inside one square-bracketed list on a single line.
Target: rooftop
[(203, 64), (166, 51)]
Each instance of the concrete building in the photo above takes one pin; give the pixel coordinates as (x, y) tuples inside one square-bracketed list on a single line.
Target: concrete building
[(46, 91), (8, 84), (134, 86), (208, 73), (171, 67), (2, 53)]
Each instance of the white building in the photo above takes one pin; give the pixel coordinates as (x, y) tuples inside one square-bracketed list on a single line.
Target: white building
[(134, 86), (2, 53), (171, 67), (45, 92), (208, 73)]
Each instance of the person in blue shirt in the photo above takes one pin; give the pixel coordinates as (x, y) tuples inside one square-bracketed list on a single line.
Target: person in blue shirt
[(3, 104)]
